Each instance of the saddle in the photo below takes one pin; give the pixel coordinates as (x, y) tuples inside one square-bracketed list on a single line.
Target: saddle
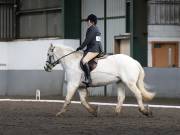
[(93, 63)]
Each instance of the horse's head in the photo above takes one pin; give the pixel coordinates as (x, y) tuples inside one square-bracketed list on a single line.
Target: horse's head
[(56, 54), (51, 61)]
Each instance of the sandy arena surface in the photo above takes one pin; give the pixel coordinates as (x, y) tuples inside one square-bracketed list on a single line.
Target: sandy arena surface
[(31, 118)]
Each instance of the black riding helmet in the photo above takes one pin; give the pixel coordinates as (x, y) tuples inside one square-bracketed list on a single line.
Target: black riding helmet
[(92, 18)]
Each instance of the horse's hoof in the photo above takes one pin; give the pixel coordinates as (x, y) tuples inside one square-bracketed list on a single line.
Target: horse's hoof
[(150, 114), (146, 112), (95, 112), (118, 111), (59, 114), (118, 114)]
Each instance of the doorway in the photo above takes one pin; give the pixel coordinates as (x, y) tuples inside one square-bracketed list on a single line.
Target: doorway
[(165, 54)]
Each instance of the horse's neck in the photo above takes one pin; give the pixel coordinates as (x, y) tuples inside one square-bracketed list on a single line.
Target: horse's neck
[(69, 61)]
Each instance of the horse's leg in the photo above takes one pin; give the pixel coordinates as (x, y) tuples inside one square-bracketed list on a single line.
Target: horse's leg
[(71, 89), (136, 91), (120, 97), (83, 95)]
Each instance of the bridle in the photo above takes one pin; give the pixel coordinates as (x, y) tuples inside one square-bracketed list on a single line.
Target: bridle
[(58, 60), (50, 63)]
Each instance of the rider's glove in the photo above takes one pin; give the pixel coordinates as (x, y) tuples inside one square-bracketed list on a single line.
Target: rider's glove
[(79, 48)]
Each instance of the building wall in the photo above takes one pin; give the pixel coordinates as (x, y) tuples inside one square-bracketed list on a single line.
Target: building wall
[(21, 72), (3, 67), (21, 68), (115, 19), (165, 31), (164, 81), (40, 18), (72, 13), (115, 25), (163, 12), (162, 33), (21, 62), (164, 23), (7, 20)]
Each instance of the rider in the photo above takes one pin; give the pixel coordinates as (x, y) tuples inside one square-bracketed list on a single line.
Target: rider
[(93, 46)]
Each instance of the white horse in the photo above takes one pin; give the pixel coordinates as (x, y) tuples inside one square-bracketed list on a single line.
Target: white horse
[(119, 68)]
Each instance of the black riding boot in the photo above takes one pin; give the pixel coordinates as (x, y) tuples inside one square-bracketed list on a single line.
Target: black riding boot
[(87, 74)]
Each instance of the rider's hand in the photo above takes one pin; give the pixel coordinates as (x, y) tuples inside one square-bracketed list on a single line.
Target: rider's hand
[(78, 49)]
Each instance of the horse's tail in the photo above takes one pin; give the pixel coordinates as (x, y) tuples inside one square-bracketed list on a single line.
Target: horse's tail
[(146, 94)]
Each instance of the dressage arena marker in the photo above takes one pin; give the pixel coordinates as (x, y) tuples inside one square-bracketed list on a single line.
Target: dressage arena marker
[(38, 95), (93, 103)]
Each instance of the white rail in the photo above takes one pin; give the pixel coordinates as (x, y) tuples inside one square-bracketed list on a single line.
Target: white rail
[(94, 103)]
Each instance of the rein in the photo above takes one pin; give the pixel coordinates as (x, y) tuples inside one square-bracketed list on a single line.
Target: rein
[(57, 61)]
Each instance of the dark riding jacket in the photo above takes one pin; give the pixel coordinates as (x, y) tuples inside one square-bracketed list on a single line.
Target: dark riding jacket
[(92, 41)]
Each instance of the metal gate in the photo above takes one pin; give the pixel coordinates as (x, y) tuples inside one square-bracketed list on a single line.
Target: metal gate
[(7, 19)]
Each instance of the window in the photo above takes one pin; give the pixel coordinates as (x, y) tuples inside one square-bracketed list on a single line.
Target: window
[(40, 18), (7, 19), (164, 12)]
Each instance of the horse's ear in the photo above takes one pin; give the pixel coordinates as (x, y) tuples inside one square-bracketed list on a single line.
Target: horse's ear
[(51, 46)]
